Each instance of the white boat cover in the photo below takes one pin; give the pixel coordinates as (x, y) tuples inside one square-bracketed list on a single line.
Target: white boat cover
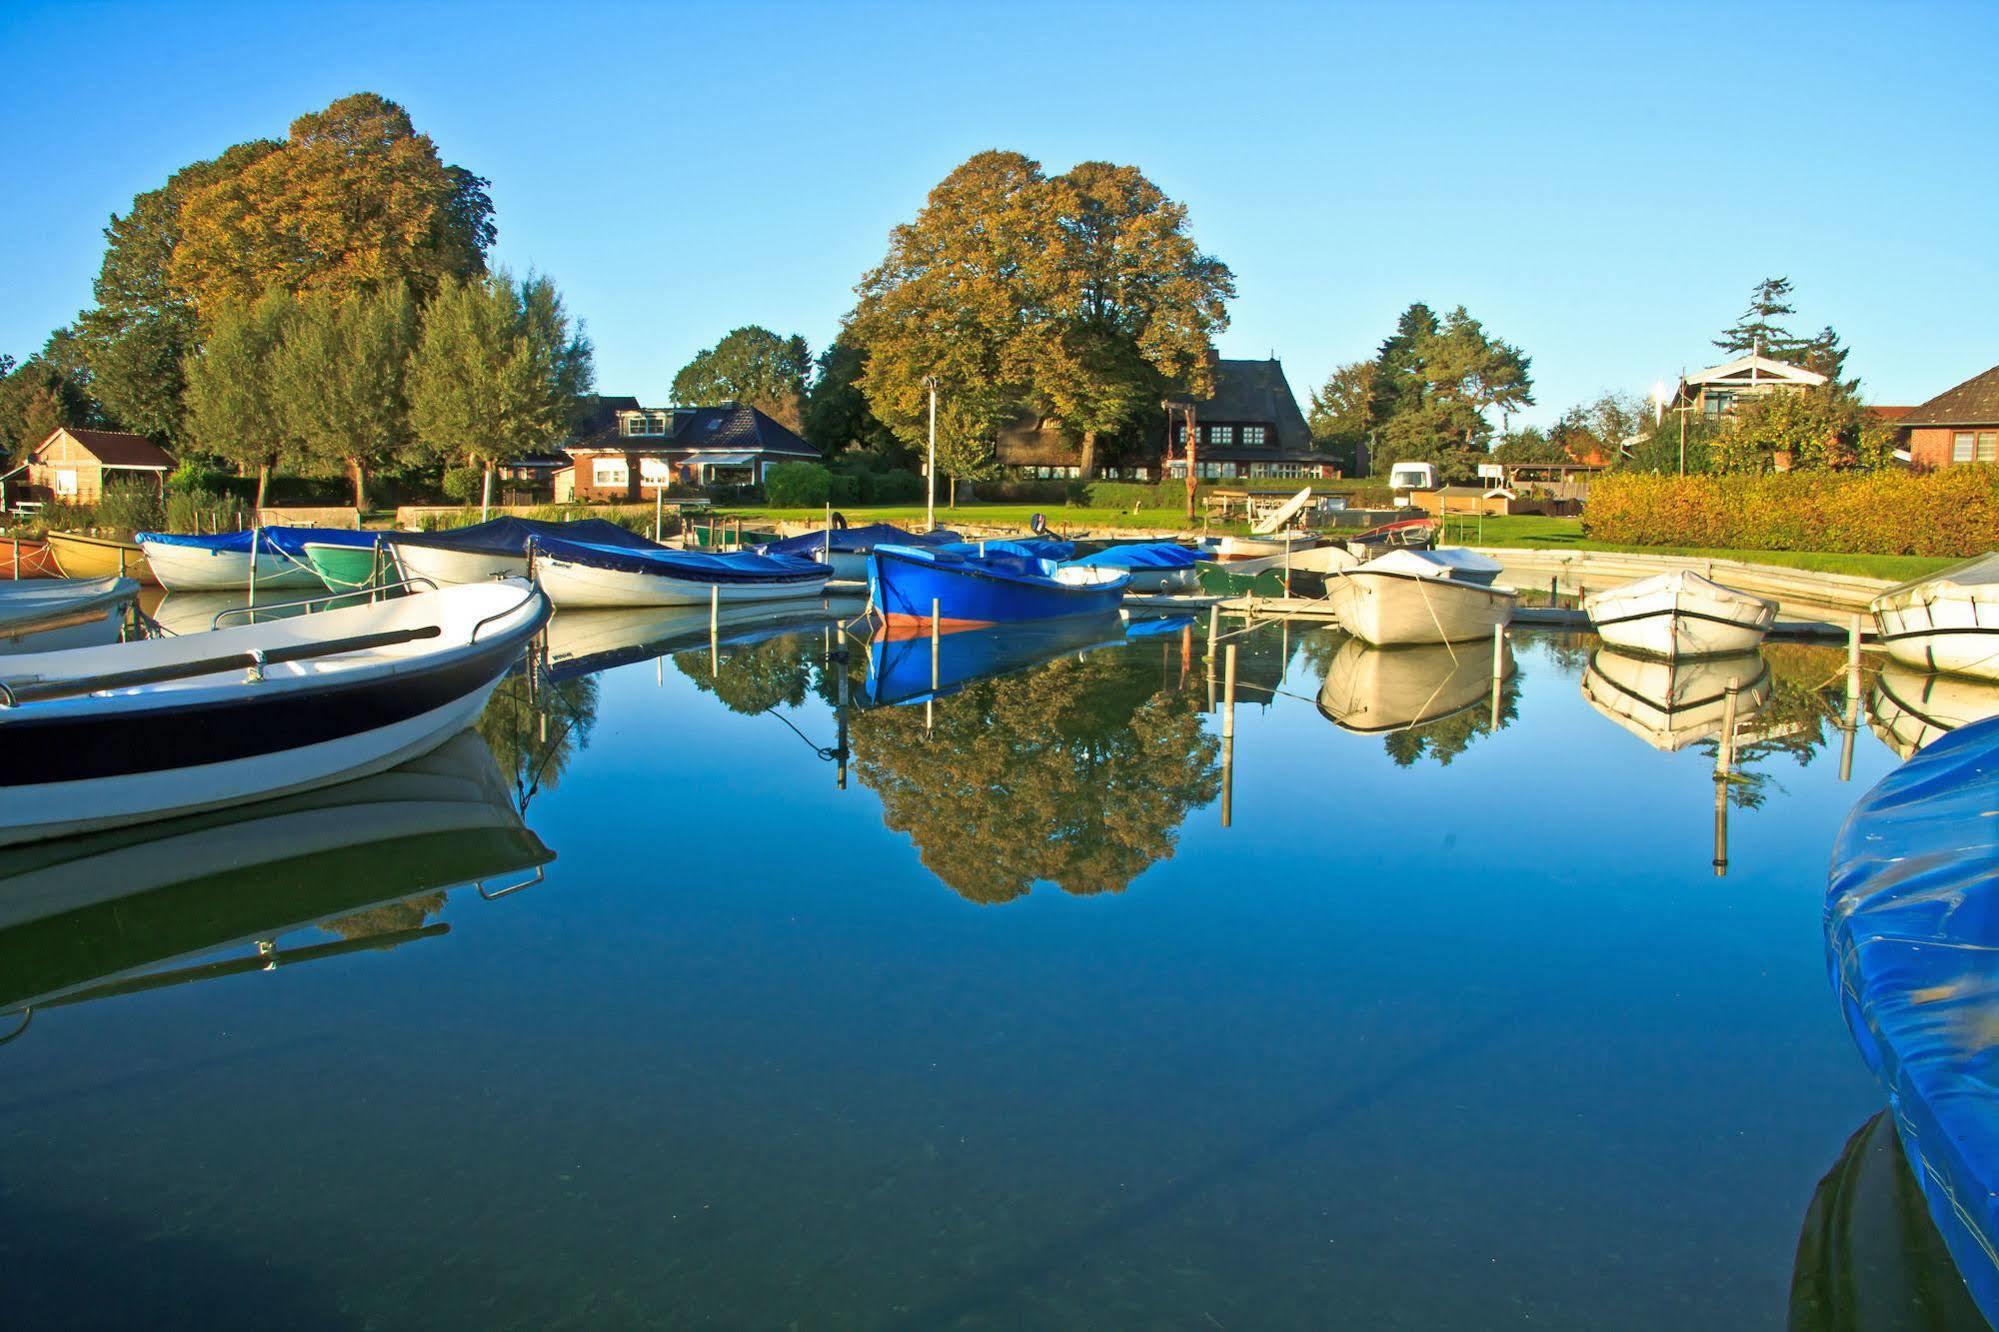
[(1461, 564), (1977, 577)]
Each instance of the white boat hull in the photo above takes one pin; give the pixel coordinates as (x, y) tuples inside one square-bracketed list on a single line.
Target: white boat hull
[(1672, 705), (193, 569), (1955, 634), (572, 586), (446, 568), (1680, 614), (1909, 708), (1389, 609), (1257, 547)]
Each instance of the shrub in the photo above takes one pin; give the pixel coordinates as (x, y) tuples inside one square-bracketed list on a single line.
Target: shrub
[(1952, 512), (198, 509), (799, 485), (898, 487), (128, 509), (463, 484)]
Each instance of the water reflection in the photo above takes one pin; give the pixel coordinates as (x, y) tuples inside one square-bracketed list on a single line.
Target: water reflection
[(1869, 1257), (584, 642), (1427, 702), (367, 861), (1670, 705), (536, 726), (1909, 709), (904, 668), (1078, 773)]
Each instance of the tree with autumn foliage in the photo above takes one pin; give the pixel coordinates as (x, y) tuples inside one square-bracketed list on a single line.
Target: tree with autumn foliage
[(753, 366)]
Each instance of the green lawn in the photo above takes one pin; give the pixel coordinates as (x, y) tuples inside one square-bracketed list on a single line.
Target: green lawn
[(1527, 530)]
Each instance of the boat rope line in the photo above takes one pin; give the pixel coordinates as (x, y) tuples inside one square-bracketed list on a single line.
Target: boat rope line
[(825, 752), (1676, 613)]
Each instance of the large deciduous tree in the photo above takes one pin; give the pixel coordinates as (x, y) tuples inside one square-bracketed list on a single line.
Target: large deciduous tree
[(498, 370), (837, 415), (354, 200), (49, 389), (340, 375), (234, 409), (753, 366)]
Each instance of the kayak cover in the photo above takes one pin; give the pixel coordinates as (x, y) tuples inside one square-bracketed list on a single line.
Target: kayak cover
[(1151, 555), (854, 540), (283, 540), (686, 565), (510, 536), (1912, 920)]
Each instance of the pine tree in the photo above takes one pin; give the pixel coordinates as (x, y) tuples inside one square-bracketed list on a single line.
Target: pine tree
[(1756, 330)]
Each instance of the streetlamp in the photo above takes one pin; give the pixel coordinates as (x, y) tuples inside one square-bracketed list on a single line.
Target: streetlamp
[(930, 472)]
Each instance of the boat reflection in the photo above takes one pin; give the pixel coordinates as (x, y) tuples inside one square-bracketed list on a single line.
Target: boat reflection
[(1869, 1257), (1671, 705), (1909, 709), (901, 670), (368, 861), (583, 642), (1429, 701)]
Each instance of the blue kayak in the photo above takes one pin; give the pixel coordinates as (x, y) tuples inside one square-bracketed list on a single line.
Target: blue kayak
[(1912, 926), (905, 583)]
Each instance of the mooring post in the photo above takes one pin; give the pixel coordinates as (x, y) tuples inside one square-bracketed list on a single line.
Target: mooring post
[(936, 645), (255, 533), (658, 511), (1850, 725), (1720, 829), (1554, 581), (17, 557), (714, 630), (1228, 737), (1498, 669), (840, 717), (1287, 566), (1214, 632), (1724, 751)]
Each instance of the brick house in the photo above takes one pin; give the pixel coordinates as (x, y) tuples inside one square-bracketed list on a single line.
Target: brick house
[(628, 452), (75, 464), (1959, 425)]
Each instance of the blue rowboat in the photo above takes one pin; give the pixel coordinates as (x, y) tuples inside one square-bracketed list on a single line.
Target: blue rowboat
[(1912, 922), (222, 562), (1154, 566), (582, 574), (847, 549), (900, 671), (966, 591)]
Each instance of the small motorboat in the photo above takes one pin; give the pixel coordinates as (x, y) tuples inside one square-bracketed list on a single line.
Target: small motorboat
[(579, 575), (275, 556), (80, 556), (1154, 566), (1946, 622), (46, 615), (1670, 705), (1680, 614), (900, 670), (906, 584), (1908, 709), (495, 549), (1372, 690), (1418, 596), (100, 737), (1403, 534), (846, 549), (21, 557)]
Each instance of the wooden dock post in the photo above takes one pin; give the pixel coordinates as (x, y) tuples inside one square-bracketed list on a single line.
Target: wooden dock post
[(1214, 630), (17, 558), (714, 630), (255, 532), (1228, 737), (936, 647), (1720, 829), (1850, 724), (1724, 763), (840, 718), (1498, 669)]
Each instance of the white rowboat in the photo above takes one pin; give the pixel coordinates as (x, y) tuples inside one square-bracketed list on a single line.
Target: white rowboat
[(1410, 596), (1947, 622), (1680, 614)]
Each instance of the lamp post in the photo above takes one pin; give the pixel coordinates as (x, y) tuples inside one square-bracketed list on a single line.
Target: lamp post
[(930, 472)]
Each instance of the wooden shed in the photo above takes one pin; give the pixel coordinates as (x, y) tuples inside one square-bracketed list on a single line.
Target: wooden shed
[(74, 464)]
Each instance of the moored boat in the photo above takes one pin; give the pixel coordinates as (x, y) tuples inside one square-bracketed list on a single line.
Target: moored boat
[(905, 584), (346, 567), (1263, 547), (1411, 596), (1908, 709), (1946, 622), (1670, 705), (579, 575), (275, 556), (80, 556), (1155, 566), (1403, 534), (99, 737), (494, 549), (22, 557), (1680, 614), (46, 615), (1370, 690)]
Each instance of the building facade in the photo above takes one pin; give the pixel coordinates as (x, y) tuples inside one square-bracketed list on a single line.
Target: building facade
[(74, 465), (629, 452), (1714, 392), (1959, 425)]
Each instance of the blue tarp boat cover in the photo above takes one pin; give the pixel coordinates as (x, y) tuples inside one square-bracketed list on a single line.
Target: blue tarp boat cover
[(1912, 937), (1149, 555), (510, 536), (1026, 548), (687, 565), (854, 540), (290, 540)]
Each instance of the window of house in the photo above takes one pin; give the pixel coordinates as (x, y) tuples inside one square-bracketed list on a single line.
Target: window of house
[(655, 472), (65, 480), (1963, 446), (1988, 446), (609, 472), (1221, 434), (1253, 437)]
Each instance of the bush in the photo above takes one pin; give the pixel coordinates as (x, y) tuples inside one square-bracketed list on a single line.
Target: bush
[(898, 488), (463, 485), (198, 509), (1951, 512), (128, 509), (799, 485)]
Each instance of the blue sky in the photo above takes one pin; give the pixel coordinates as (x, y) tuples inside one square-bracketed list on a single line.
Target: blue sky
[(1600, 184)]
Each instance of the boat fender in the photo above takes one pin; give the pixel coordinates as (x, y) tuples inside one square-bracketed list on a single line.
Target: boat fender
[(1038, 524), (839, 520)]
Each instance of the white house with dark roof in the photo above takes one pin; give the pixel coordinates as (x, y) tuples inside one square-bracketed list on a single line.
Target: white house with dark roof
[(1713, 392), (628, 452)]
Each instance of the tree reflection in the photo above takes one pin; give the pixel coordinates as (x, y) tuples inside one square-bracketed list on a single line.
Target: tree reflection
[(750, 679), (1807, 700), (390, 918), (535, 733), (1445, 739), (1078, 773)]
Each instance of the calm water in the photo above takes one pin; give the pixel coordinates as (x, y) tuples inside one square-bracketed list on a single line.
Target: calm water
[(1453, 1027)]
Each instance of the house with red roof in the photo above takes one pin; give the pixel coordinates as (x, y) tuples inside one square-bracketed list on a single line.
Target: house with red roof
[(1959, 425), (75, 465)]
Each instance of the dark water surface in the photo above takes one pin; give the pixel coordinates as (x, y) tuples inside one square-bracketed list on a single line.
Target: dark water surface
[(1452, 1028)]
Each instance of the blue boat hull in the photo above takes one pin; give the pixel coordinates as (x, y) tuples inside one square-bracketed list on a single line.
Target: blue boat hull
[(969, 593)]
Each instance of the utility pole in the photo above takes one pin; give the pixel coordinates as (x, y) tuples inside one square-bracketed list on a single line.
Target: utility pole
[(930, 503)]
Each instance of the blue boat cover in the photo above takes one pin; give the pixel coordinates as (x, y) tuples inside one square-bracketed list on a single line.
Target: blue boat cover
[(899, 669), (1912, 925), (510, 536), (855, 540), (1026, 548), (687, 565), (290, 540), (1148, 555)]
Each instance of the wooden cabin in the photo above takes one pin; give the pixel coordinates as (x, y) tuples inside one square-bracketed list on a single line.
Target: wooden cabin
[(74, 465)]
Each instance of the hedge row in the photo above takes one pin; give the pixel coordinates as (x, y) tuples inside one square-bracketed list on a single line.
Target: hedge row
[(803, 485), (1950, 512)]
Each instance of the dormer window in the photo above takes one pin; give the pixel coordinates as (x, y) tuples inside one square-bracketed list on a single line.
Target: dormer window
[(1223, 435), (1253, 437)]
